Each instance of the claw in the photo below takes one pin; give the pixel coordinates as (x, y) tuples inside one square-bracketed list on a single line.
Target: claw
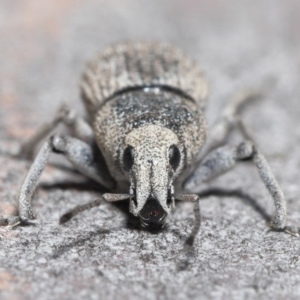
[(292, 230), (3, 221), (14, 221), (29, 221), (10, 222)]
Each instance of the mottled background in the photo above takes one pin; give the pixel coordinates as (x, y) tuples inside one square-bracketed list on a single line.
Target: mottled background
[(43, 48)]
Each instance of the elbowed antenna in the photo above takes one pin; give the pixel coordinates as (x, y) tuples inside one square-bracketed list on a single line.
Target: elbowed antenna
[(195, 199), (97, 202)]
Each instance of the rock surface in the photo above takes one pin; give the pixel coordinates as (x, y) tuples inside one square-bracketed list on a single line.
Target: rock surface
[(102, 255)]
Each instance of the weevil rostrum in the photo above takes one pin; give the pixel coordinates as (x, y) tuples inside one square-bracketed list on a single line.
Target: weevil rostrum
[(146, 106)]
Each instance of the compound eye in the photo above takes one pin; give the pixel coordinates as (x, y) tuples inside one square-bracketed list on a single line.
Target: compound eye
[(174, 157), (128, 158)]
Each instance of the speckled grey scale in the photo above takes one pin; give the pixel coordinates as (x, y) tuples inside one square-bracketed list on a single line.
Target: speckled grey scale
[(131, 110)]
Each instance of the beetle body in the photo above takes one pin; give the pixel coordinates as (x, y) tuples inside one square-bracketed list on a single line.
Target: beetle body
[(146, 105), (149, 97)]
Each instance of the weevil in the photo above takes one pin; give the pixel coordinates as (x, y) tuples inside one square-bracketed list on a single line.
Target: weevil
[(146, 107)]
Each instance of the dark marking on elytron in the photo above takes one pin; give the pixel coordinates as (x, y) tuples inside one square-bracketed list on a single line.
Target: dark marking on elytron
[(162, 88), (150, 108), (128, 90)]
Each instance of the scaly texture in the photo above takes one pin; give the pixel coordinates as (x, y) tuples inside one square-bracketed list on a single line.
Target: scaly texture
[(136, 109), (137, 64)]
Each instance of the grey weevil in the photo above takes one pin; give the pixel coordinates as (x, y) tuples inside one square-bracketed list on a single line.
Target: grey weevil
[(146, 103)]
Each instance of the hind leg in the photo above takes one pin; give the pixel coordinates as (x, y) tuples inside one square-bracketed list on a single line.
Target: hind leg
[(64, 115), (229, 120)]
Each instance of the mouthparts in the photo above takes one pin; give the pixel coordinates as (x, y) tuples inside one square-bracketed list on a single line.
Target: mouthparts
[(153, 215)]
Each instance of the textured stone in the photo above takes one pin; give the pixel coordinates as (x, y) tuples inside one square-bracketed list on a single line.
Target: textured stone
[(101, 254)]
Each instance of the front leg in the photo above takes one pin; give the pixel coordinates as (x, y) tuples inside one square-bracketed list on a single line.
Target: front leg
[(77, 152), (225, 158)]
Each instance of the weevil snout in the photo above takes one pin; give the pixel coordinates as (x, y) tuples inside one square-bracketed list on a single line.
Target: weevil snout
[(151, 159)]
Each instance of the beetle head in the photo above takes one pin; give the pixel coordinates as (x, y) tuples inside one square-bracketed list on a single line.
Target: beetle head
[(152, 157)]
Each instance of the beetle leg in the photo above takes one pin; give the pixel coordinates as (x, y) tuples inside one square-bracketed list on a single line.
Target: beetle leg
[(79, 153), (10, 221), (79, 128), (224, 159), (220, 131)]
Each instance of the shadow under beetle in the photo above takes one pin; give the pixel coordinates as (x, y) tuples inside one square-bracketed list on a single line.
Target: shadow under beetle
[(146, 104)]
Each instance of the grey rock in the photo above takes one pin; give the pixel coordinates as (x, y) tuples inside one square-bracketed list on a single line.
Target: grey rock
[(100, 254)]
